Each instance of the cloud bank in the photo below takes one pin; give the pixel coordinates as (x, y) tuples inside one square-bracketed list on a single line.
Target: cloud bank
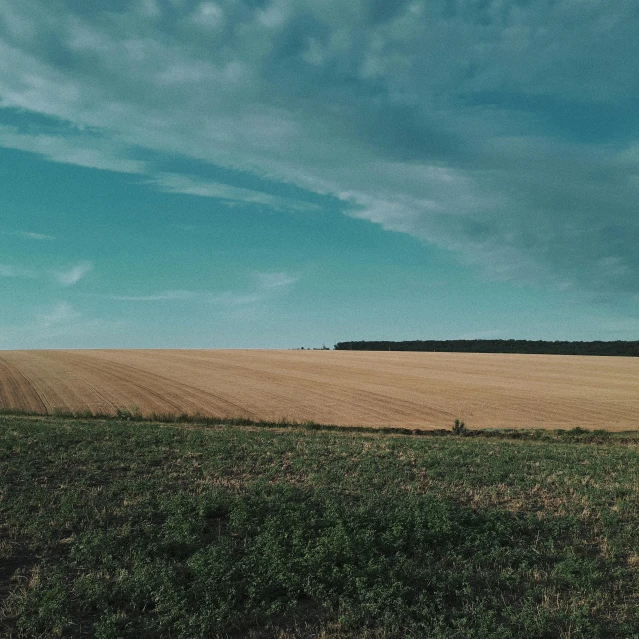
[(504, 131)]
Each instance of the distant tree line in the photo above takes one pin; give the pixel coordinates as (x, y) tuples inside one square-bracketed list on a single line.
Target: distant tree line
[(616, 348)]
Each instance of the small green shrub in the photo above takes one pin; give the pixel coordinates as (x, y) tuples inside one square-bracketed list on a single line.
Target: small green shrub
[(459, 428)]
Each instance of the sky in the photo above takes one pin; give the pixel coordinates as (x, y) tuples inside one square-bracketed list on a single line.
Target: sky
[(288, 173)]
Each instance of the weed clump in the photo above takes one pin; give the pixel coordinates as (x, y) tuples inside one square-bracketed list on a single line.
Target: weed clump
[(129, 414), (459, 428)]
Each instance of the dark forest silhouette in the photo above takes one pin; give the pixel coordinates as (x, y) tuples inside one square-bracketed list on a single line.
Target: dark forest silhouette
[(616, 348)]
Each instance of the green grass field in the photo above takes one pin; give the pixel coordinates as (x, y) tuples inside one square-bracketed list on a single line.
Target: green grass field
[(133, 529)]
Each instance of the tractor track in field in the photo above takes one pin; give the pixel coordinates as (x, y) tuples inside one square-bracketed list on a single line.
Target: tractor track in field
[(169, 395), (9, 380)]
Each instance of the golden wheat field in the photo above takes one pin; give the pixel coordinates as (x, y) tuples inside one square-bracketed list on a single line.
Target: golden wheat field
[(401, 389)]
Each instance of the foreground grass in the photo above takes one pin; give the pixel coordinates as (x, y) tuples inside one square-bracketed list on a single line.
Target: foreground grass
[(124, 529)]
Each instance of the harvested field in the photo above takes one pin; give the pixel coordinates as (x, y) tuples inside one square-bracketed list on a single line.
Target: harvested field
[(401, 389)]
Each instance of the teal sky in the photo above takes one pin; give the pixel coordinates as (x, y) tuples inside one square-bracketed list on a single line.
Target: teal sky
[(287, 173)]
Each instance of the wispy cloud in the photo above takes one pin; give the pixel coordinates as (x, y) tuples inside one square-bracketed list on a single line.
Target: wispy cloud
[(226, 298), (154, 297), (60, 313), (73, 274), (58, 325), (35, 236), (268, 285), (177, 183), (230, 299), (276, 280), (7, 270), (28, 235), (76, 147), (66, 276)]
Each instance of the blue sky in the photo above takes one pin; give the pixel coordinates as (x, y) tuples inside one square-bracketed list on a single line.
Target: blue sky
[(285, 173)]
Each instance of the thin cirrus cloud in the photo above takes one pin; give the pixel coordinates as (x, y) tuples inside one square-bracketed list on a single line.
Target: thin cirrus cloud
[(67, 276), (59, 321), (72, 274), (188, 185), (502, 131), (28, 235), (8, 270), (73, 147), (53, 320), (226, 298), (268, 285), (163, 296), (59, 314), (278, 280), (35, 236)]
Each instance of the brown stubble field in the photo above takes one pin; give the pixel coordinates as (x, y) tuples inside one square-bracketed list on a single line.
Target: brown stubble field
[(354, 388)]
